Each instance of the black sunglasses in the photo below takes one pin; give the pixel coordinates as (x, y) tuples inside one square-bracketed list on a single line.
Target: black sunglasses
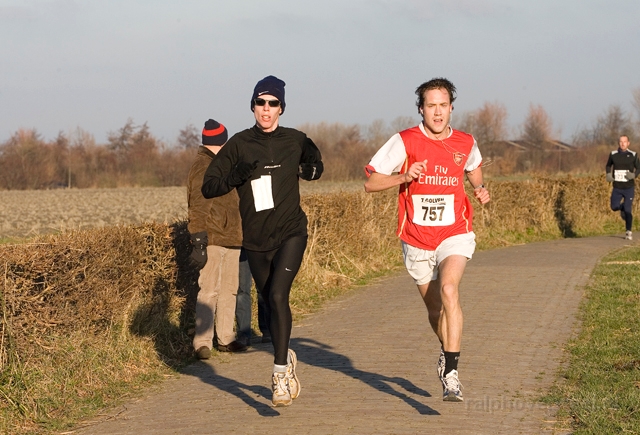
[(262, 102)]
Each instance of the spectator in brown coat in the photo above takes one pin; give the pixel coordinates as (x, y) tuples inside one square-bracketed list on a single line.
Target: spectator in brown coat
[(216, 235)]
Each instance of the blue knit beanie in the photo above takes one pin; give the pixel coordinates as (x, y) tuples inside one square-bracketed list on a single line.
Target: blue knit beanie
[(270, 85)]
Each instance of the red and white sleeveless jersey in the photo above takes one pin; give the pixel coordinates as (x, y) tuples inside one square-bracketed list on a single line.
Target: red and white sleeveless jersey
[(434, 206)]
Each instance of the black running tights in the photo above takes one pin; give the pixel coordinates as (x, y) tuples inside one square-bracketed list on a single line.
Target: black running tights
[(273, 272)]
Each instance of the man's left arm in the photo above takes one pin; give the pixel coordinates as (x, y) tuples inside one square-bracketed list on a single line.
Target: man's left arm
[(477, 182), (311, 166), (631, 174), (198, 209)]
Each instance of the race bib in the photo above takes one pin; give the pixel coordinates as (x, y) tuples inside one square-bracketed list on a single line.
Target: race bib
[(262, 193), (620, 175), (433, 210)]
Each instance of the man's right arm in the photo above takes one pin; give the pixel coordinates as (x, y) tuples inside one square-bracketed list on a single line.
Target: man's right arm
[(216, 177), (378, 182), (608, 174), (382, 171), (199, 207), (609, 163)]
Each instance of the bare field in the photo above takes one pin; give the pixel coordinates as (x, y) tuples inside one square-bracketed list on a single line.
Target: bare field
[(26, 213)]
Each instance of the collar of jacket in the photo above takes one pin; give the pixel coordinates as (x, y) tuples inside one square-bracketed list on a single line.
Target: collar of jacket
[(207, 151), (262, 134)]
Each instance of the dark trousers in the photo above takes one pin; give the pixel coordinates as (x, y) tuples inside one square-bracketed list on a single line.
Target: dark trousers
[(617, 195), (264, 317), (273, 272)]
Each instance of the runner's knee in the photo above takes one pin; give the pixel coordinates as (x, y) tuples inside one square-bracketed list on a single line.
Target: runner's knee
[(449, 294)]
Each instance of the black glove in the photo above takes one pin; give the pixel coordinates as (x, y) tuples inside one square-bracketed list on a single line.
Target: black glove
[(630, 175), (310, 171), (241, 173), (198, 255), (609, 177)]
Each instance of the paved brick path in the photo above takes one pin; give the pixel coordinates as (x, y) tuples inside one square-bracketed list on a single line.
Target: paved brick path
[(367, 360)]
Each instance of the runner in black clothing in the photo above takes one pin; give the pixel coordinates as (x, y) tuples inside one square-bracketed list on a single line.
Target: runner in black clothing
[(264, 164), (623, 167)]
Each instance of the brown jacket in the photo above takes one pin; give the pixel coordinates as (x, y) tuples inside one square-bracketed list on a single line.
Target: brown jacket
[(219, 217)]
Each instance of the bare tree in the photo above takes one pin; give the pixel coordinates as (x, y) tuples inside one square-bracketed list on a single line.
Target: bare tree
[(487, 124), (344, 152), (189, 137), (636, 100), (23, 161), (465, 121), (608, 128), (82, 145), (402, 123), (134, 157), (80, 138), (327, 136), (121, 140), (537, 126), (636, 105), (376, 133), (142, 140)]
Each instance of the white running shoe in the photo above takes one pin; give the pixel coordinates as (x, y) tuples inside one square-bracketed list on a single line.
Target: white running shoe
[(452, 387), (441, 366), (281, 394), (629, 235), (294, 383)]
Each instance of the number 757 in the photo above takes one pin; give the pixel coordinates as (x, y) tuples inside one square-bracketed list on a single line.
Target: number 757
[(432, 212)]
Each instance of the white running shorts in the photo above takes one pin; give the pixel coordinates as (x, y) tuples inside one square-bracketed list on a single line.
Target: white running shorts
[(422, 265)]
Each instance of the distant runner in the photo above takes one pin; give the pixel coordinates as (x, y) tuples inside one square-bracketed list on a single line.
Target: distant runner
[(623, 167), (434, 213)]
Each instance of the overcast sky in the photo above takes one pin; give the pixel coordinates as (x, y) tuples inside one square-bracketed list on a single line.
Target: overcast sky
[(94, 64)]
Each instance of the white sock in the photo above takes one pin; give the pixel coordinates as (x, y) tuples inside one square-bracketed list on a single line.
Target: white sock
[(279, 369)]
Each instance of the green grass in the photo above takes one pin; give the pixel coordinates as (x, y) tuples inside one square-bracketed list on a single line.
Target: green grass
[(11, 240), (80, 376), (600, 389), (499, 239)]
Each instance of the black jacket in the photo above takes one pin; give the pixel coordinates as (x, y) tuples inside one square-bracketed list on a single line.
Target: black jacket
[(620, 161), (278, 154)]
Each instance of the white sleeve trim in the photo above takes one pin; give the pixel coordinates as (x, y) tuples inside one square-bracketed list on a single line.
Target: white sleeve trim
[(475, 158), (390, 157)]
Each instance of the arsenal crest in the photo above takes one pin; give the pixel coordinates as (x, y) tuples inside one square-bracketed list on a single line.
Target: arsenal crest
[(457, 158)]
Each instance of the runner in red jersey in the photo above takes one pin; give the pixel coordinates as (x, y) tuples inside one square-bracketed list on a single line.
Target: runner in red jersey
[(428, 163)]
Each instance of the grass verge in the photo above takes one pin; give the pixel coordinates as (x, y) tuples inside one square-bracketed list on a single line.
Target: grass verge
[(83, 375), (600, 389)]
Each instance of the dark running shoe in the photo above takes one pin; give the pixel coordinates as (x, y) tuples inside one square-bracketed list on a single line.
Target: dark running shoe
[(203, 352), (234, 346)]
